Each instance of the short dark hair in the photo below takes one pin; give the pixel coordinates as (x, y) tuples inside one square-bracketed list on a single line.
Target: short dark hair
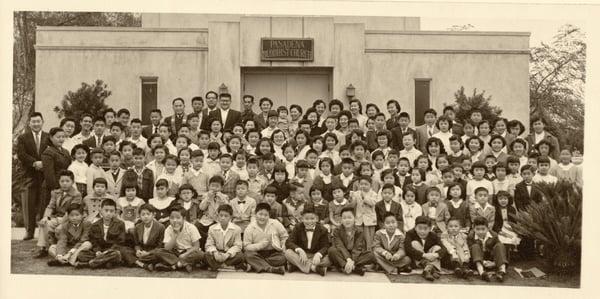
[(74, 207), (262, 206), (108, 202), (480, 221), (247, 96), (36, 114), (335, 102), (225, 95), (348, 209), (430, 111), (97, 181), (65, 120), (225, 208), (216, 179), (78, 147), (392, 101), (211, 92), (177, 99), (136, 121), (422, 220), (123, 111), (265, 99), (481, 189), (197, 99), (66, 173), (161, 183), (148, 207), (156, 111)]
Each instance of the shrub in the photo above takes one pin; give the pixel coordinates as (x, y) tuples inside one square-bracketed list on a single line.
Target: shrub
[(556, 224), (89, 98), (464, 104)]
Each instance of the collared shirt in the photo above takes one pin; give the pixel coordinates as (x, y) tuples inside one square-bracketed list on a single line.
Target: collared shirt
[(185, 239), (456, 204), (105, 228), (389, 239), (146, 233), (388, 206), (309, 237), (141, 142), (488, 235), (539, 137), (79, 138), (224, 114), (346, 180), (274, 232)]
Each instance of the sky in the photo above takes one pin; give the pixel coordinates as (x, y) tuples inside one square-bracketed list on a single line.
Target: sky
[(541, 30)]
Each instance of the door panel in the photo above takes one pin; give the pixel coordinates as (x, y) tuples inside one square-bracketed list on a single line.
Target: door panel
[(286, 89), (305, 89), (272, 86)]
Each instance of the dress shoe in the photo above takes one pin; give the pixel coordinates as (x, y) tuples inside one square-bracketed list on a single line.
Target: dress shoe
[(27, 237), (500, 276), (486, 276), (43, 252), (188, 268), (291, 268), (162, 267), (54, 263), (459, 273), (435, 274), (149, 267), (321, 270), (277, 270), (359, 270), (427, 275), (405, 269)]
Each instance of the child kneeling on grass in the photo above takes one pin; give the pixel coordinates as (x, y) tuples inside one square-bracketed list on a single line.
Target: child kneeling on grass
[(224, 243), (308, 244), (389, 246), (425, 248), (349, 249), (487, 250), (72, 238), (181, 245)]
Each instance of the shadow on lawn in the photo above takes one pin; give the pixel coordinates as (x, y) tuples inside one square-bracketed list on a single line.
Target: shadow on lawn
[(23, 263)]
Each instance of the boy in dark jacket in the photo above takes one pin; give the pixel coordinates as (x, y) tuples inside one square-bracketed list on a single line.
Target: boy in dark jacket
[(425, 248), (308, 244), (349, 249), (486, 250), (72, 237)]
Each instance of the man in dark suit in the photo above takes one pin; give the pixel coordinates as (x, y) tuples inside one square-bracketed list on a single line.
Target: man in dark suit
[(308, 244), (225, 114), (539, 133), (178, 118), (211, 105), (96, 139), (152, 128), (30, 146), (247, 103)]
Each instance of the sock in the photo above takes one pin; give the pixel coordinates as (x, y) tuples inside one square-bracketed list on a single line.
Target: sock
[(480, 269), (502, 268), (313, 268), (140, 264)]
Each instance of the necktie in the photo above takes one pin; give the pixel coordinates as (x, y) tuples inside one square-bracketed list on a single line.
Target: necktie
[(429, 132), (155, 130), (37, 142), (310, 229)]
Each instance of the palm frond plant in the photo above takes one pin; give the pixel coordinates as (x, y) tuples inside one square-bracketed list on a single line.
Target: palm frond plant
[(556, 224)]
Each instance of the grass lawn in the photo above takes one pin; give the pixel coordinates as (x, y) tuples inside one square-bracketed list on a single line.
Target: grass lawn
[(23, 263)]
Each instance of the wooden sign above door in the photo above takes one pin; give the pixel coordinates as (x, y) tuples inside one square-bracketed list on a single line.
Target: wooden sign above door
[(286, 49)]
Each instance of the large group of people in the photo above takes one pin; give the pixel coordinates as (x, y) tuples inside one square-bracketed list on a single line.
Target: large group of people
[(287, 188)]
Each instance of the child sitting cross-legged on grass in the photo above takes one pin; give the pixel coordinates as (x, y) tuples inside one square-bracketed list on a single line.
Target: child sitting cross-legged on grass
[(72, 238), (389, 246), (224, 243)]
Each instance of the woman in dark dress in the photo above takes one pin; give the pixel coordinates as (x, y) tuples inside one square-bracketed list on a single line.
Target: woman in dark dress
[(55, 159)]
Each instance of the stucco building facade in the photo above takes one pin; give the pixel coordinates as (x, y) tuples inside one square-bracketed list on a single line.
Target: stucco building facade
[(185, 55)]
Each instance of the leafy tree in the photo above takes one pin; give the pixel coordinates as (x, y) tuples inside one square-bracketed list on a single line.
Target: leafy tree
[(24, 33), (89, 98), (556, 85), (464, 104)]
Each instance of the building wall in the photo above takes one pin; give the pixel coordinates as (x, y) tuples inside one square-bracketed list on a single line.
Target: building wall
[(191, 54)]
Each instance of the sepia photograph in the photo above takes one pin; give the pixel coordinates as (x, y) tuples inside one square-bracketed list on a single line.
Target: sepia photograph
[(298, 147)]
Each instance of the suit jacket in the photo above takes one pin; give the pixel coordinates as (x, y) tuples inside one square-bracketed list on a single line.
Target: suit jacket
[(55, 160), (499, 222), (320, 239), (243, 214), (423, 136), (230, 241), (489, 243), (27, 152), (204, 124), (114, 186), (115, 235), (175, 124), (71, 236), (548, 137), (147, 188), (155, 237), (431, 240), (147, 131), (229, 184), (91, 142), (59, 202), (349, 248), (523, 198), (488, 213), (441, 214), (233, 117), (397, 137), (395, 208), (381, 244), (259, 121)]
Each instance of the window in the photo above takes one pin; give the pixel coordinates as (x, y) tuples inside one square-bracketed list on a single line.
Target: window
[(421, 99), (149, 97)]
